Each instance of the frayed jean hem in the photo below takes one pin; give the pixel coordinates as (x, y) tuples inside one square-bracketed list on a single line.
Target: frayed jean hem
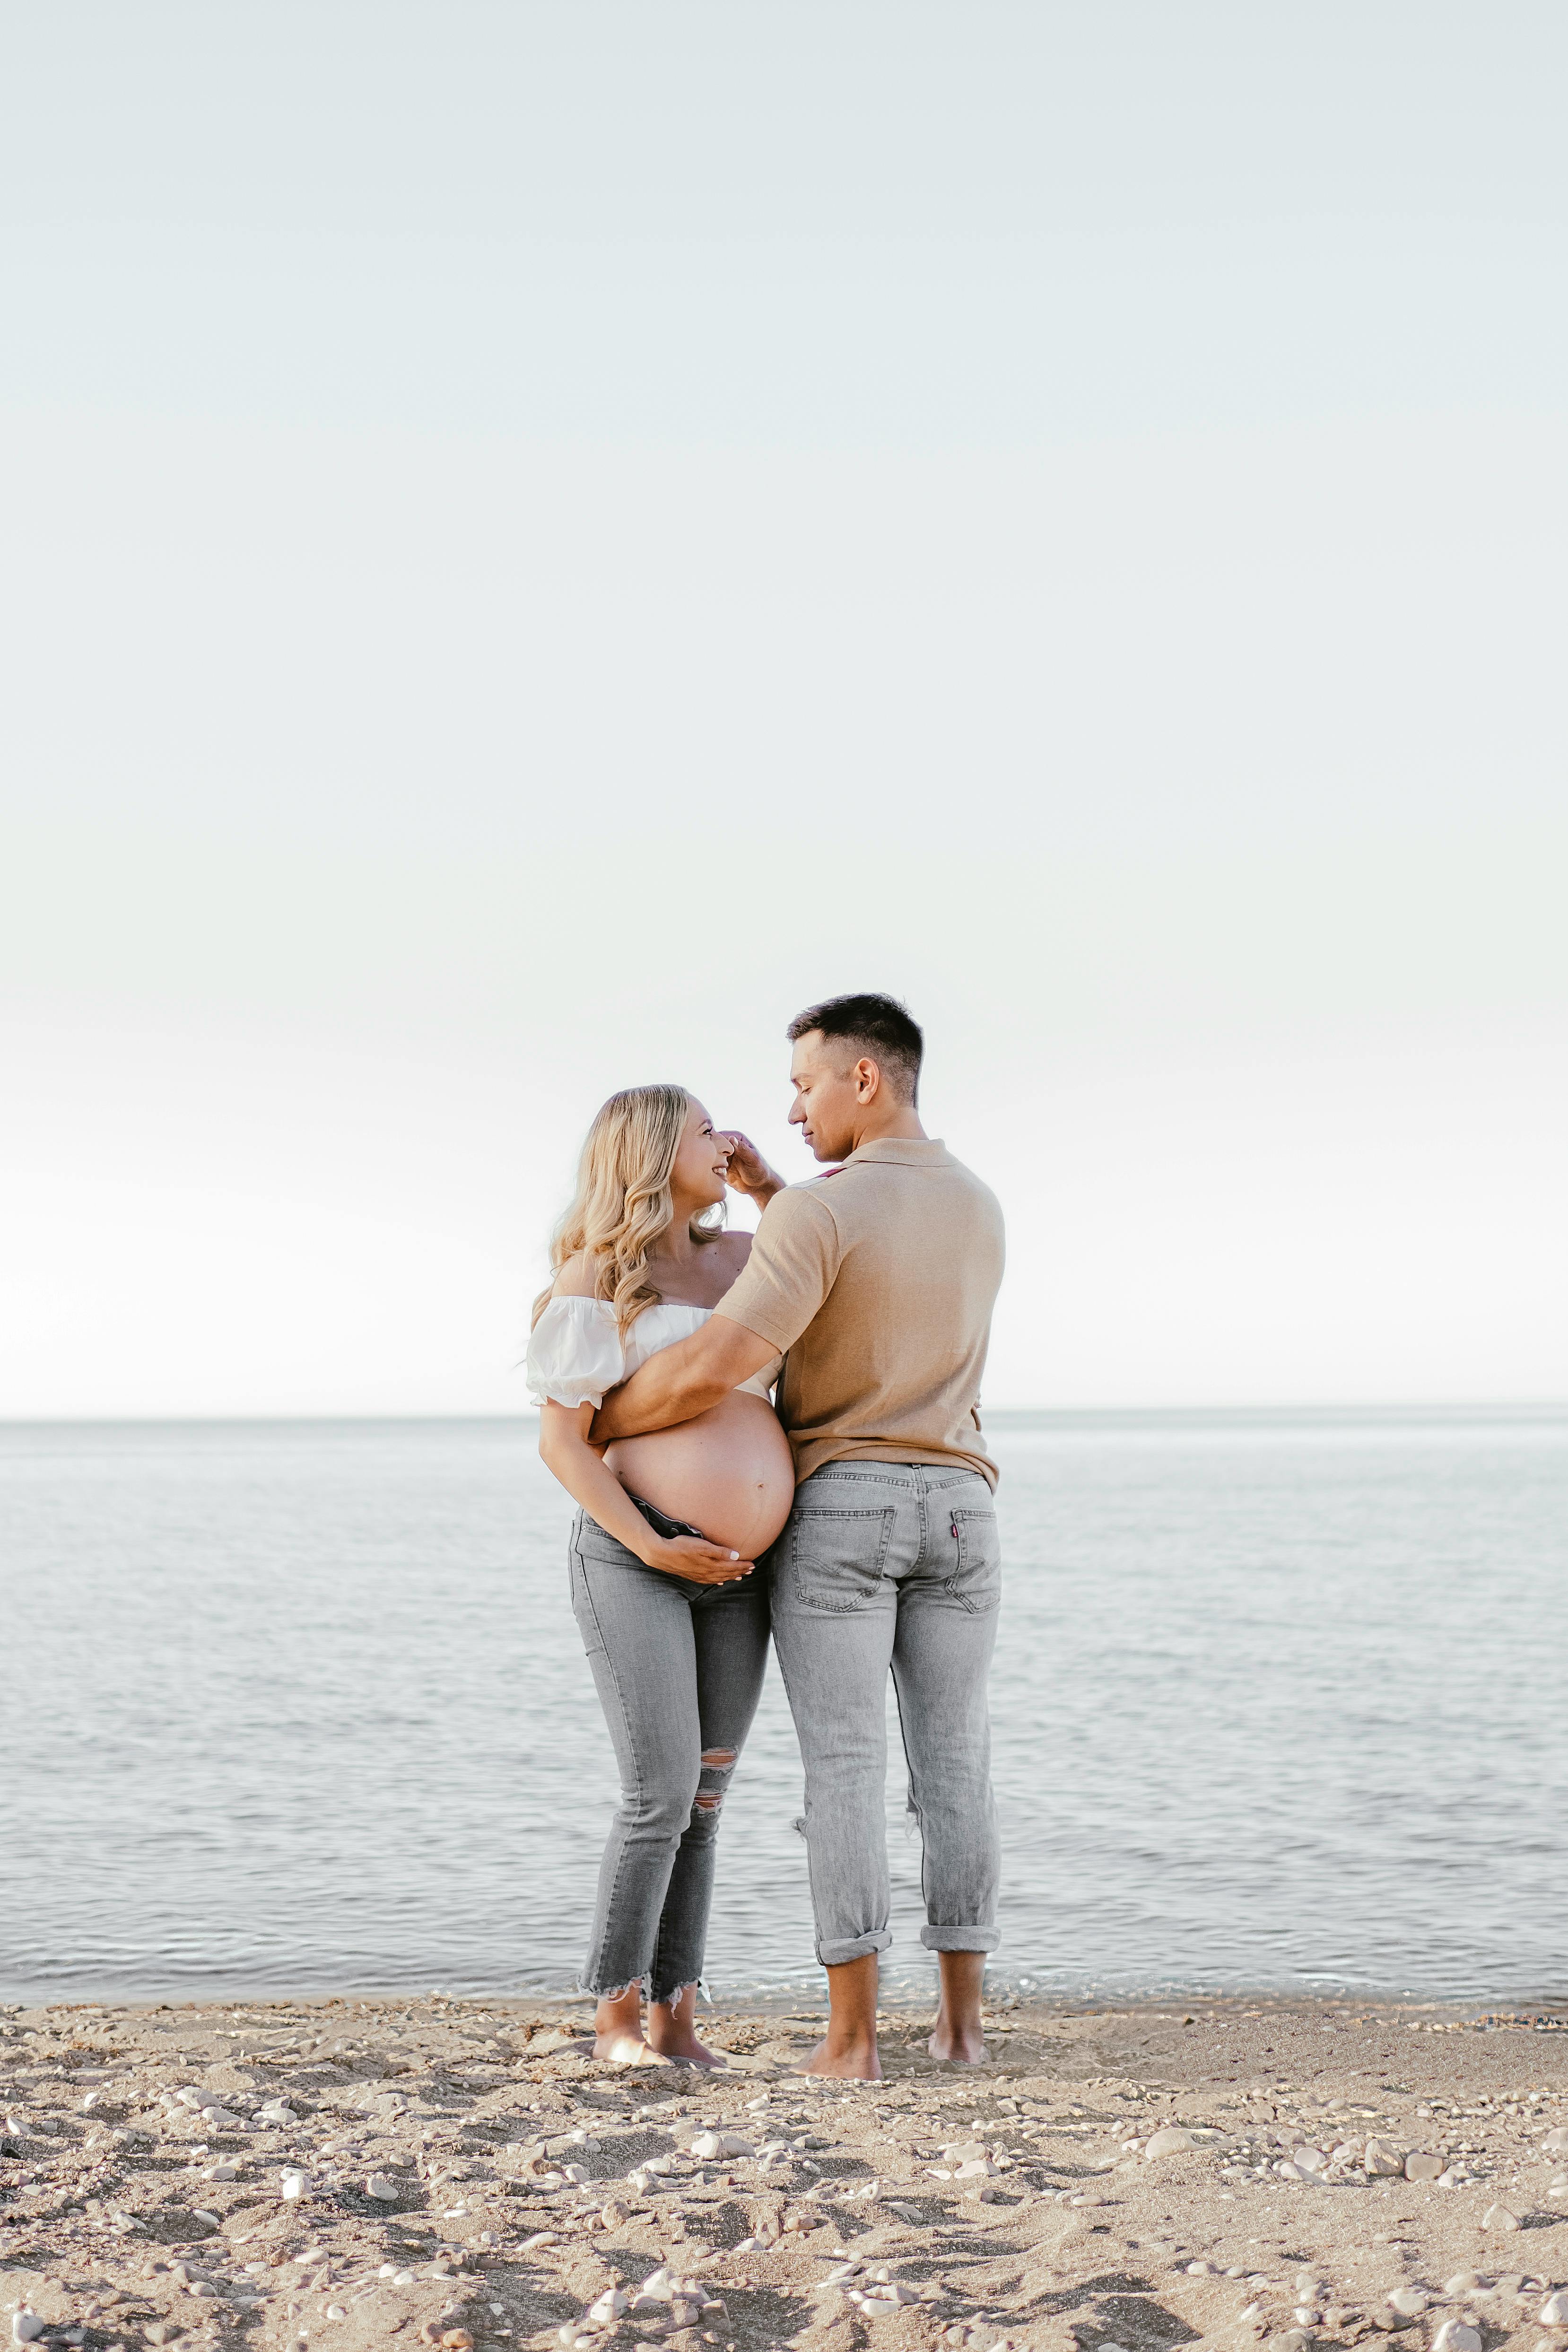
[(668, 1998), (665, 2000)]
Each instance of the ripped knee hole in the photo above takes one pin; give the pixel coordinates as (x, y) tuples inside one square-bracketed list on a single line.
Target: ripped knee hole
[(714, 1759)]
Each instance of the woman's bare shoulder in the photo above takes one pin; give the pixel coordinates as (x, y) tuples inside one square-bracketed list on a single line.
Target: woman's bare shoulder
[(575, 1279), (733, 1249)]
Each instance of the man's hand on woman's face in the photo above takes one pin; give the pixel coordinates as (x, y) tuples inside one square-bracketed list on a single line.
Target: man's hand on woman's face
[(748, 1171)]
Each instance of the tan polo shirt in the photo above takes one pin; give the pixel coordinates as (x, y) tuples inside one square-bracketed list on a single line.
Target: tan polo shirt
[(877, 1280)]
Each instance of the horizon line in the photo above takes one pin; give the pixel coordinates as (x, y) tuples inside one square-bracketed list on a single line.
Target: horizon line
[(1445, 1408)]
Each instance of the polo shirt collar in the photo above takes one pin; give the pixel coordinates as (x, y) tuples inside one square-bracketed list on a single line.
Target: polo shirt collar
[(903, 1151)]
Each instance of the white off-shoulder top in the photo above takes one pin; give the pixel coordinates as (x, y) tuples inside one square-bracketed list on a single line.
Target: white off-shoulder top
[(578, 1351)]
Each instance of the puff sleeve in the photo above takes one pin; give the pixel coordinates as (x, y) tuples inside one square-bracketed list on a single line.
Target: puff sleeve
[(575, 1354)]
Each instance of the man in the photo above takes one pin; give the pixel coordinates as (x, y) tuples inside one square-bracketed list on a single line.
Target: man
[(878, 1281)]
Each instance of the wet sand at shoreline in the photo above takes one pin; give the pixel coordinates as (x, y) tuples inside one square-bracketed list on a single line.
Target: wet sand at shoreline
[(343, 2172)]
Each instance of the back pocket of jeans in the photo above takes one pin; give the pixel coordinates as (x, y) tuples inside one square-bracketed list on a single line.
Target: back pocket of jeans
[(976, 1579), (837, 1558)]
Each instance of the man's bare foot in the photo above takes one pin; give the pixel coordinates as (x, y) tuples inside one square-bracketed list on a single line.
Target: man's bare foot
[(849, 2050), (957, 2037), (852, 2061), (956, 2045)]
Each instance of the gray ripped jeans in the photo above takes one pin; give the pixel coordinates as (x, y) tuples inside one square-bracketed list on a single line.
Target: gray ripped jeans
[(679, 1670), (892, 1564)]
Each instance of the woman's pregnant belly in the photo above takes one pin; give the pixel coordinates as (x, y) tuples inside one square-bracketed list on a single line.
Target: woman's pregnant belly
[(729, 1472)]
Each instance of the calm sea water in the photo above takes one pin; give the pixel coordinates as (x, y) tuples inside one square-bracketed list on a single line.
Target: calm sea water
[(1279, 1701)]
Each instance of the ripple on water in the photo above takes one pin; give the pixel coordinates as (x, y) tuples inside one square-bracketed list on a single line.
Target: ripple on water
[(1277, 1702)]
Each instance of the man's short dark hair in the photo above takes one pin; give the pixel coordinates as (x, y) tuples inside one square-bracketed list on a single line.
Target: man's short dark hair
[(880, 1027)]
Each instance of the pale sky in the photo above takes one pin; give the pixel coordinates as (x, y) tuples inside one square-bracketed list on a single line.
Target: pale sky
[(535, 540)]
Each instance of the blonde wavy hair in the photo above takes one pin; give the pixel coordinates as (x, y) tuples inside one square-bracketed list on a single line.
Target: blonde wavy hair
[(623, 1201)]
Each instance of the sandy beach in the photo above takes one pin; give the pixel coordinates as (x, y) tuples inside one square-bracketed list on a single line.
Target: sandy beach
[(343, 2172)]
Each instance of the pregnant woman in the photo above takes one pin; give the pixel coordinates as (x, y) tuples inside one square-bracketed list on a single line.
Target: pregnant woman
[(668, 1529)]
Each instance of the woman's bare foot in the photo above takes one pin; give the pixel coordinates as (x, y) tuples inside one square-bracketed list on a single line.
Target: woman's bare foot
[(687, 2050), (673, 2031), (628, 2050), (617, 2030)]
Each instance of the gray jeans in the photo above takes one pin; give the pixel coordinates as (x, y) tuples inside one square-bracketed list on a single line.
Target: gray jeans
[(892, 1564), (679, 1670)]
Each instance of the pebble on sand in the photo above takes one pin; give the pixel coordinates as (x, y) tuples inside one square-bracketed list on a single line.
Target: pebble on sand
[(919, 2133), (1500, 2217)]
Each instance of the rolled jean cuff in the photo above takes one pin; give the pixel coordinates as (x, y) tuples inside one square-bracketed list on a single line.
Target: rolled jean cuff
[(854, 1948), (960, 1939)]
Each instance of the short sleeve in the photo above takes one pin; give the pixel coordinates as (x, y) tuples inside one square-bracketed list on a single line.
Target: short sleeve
[(575, 1354), (794, 1263)]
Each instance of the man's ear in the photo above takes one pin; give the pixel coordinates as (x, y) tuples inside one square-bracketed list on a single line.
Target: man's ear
[(867, 1080)]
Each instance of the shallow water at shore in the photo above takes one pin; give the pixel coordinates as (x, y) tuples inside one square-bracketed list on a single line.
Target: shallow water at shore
[(1278, 1701)]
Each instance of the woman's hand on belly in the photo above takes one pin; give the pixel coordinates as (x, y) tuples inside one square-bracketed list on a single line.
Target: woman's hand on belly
[(699, 1562), (729, 1472)]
